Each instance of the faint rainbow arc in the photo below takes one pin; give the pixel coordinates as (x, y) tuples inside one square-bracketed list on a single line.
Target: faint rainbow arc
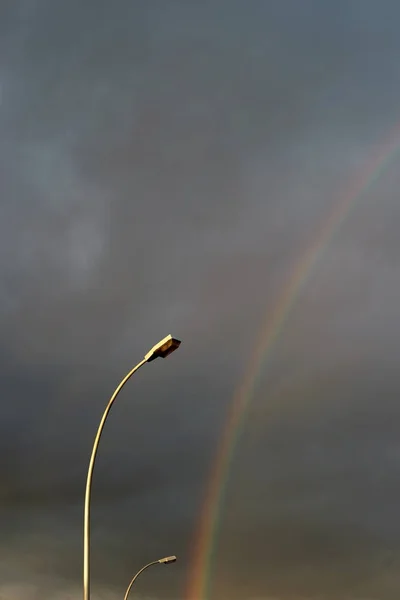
[(206, 533)]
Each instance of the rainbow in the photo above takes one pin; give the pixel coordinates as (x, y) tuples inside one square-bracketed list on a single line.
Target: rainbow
[(206, 535)]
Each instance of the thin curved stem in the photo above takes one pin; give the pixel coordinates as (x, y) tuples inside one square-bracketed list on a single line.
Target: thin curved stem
[(86, 526), (128, 589)]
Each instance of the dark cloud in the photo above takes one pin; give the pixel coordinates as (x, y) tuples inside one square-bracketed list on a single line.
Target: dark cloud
[(163, 168)]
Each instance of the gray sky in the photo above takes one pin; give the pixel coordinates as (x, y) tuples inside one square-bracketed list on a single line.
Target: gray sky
[(163, 165)]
